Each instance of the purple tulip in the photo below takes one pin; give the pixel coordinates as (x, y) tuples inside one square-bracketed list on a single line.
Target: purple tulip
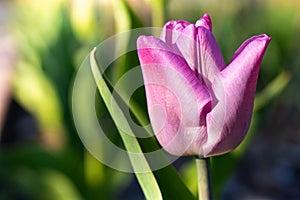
[(198, 105)]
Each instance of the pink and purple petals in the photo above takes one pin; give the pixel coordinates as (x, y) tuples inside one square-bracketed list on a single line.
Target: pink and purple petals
[(209, 55), (205, 22), (176, 98), (197, 105), (172, 30), (239, 80), (186, 44)]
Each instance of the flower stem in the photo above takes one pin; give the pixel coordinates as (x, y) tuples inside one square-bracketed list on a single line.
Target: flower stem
[(204, 181)]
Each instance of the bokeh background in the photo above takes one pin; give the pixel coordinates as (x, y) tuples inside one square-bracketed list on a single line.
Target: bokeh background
[(43, 43)]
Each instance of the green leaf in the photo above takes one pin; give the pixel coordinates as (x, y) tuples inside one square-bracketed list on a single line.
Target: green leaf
[(167, 177), (147, 180)]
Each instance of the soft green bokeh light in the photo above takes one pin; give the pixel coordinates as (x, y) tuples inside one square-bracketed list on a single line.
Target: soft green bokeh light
[(53, 38)]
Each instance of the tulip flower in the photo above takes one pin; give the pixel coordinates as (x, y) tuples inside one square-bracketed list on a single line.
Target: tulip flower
[(197, 105)]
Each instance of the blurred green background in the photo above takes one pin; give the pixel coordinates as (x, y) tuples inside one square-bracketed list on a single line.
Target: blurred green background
[(42, 44)]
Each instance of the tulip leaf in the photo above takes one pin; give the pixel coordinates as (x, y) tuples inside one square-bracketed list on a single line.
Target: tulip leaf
[(167, 177), (146, 179)]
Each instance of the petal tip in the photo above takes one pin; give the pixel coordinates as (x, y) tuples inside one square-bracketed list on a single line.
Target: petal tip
[(143, 40), (205, 21), (140, 41), (265, 37), (206, 17)]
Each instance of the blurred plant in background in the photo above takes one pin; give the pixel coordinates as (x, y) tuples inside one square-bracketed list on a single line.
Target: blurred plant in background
[(41, 155)]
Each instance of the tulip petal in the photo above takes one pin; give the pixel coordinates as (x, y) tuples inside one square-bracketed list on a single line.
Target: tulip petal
[(239, 84), (177, 101), (210, 57), (172, 30), (200, 49), (205, 22), (186, 44)]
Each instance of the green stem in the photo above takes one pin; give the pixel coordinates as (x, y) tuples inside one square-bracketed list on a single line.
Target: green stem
[(204, 181)]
